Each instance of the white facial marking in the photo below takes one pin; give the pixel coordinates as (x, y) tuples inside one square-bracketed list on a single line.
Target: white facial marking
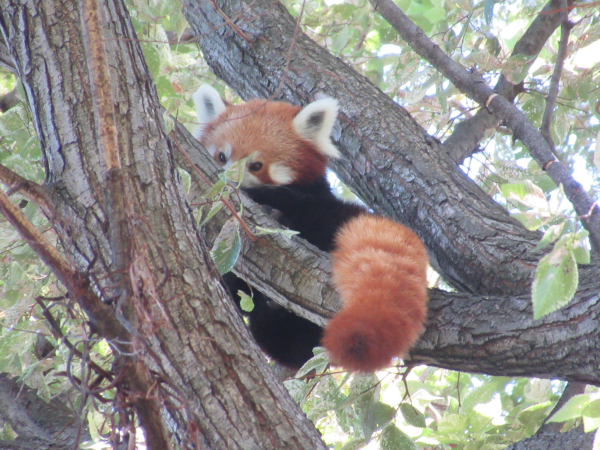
[(250, 180), (280, 174), (212, 150)]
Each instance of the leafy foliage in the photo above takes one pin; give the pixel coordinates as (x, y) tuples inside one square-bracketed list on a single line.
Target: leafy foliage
[(422, 407), (397, 408)]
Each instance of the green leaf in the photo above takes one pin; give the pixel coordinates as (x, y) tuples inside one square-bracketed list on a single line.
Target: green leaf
[(365, 406), (216, 207), (530, 220), (169, 122), (216, 189), (591, 416), (592, 409), (534, 415), (235, 172), (392, 438), (580, 250), (318, 363), (581, 255), (383, 414), (298, 389), (412, 415), (226, 248), (516, 67), (354, 444), (453, 423), (521, 190), (590, 423), (478, 395), (555, 283), (572, 409), (264, 230), (13, 120), (365, 388), (246, 302), (340, 40), (551, 235)]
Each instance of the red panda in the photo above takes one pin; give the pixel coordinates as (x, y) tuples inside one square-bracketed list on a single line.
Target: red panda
[(379, 266)]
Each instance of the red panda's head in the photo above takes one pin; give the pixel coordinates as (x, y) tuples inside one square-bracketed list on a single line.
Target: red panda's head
[(290, 144)]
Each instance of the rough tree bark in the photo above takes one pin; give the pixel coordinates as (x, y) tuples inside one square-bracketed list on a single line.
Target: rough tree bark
[(389, 160), (465, 332), (39, 425), (222, 393), (201, 349)]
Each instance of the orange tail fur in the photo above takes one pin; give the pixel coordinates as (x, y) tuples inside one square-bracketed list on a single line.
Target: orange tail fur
[(379, 269)]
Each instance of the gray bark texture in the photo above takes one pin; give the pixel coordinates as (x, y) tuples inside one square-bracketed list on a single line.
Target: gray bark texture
[(39, 425), (388, 159), (190, 335), (203, 360), (490, 253)]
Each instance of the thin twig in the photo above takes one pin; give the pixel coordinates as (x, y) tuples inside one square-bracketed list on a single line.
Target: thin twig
[(58, 335), (28, 189), (467, 134), (289, 54), (565, 31), (229, 21)]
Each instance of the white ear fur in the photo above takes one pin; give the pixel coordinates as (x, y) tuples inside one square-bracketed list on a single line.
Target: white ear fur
[(314, 123), (209, 105)]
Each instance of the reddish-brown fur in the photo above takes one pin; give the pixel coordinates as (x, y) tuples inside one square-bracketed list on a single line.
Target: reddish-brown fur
[(379, 266), (379, 269), (259, 125)]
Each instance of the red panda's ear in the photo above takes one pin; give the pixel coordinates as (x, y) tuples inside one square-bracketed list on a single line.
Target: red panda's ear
[(209, 105), (314, 123)]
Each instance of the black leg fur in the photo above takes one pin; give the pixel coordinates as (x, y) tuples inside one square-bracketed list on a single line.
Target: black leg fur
[(317, 214), (281, 334)]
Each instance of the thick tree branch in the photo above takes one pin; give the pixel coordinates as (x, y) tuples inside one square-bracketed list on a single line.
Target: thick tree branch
[(494, 335), (389, 161), (221, 392), (147, 404), (468, 134), (30, 234), (28, 189), (572, 439), (40, 425), (102, 316), (473, 86)]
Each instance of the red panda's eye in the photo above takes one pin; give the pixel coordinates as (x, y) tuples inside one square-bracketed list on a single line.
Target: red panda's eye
[(222, 158), (255, 166)]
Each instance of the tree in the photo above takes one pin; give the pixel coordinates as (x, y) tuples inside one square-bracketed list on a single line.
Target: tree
[(138, 269)]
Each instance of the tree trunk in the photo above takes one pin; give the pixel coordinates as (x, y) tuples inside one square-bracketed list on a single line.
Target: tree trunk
[(223, 393), (495, 335), (388, 159)]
